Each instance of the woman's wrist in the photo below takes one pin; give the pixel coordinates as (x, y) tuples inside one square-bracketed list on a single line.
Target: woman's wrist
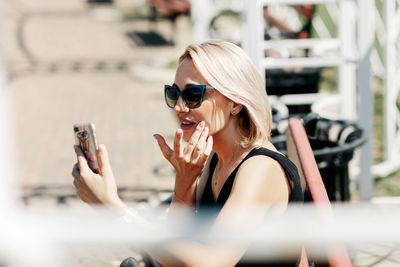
[(177, 198), (118, 205), (185, 196)]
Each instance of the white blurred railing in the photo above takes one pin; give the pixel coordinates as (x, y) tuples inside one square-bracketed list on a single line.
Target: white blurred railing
[(43, 238)]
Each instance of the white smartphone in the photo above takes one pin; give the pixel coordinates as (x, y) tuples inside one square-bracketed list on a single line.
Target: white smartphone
[(85, 138)]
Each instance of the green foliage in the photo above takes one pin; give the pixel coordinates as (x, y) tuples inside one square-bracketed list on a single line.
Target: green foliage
[(328, 20), (378, 145), (171, 65), (328, 81), (388, 186)]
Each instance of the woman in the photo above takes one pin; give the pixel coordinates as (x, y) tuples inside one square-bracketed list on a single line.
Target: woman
[(220, 100)]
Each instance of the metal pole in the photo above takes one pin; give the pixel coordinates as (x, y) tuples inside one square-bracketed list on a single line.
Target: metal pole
[(201, 13), (347, 68), (365, 44), (390, 78), (253, 32)]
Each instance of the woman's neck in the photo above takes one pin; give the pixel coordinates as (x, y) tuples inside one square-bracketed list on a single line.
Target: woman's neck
[(228, 147)]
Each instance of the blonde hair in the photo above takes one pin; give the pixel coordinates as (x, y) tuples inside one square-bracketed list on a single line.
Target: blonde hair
[(227, 67)]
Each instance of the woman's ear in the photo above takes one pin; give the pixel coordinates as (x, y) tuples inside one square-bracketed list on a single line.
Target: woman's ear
[(236, 108)]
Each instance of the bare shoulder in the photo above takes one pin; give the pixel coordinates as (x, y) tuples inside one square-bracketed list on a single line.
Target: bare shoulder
[(263, 179), (262, 168)]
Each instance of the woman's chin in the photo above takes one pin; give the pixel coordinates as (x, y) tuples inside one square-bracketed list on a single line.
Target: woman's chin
[(187, 135)]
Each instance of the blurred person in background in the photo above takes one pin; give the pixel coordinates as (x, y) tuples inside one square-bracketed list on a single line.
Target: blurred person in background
[(287, 31), (170, 8), (222, 156)]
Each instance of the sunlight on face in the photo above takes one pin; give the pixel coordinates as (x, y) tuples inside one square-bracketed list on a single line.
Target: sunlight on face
[(213, 111)]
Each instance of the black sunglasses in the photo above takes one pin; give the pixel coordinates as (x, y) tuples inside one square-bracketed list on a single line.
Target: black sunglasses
[(192, 95)]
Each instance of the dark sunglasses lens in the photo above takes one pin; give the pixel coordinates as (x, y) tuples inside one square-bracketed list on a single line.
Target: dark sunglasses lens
[(171, 96), (193, 97)]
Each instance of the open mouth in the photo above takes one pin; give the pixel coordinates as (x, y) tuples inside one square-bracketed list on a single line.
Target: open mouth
[(186, 125)]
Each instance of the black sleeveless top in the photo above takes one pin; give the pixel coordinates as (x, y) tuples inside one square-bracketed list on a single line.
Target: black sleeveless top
[(208, 204)]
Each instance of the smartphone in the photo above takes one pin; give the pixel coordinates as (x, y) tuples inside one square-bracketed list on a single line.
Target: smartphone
[(85, 138)]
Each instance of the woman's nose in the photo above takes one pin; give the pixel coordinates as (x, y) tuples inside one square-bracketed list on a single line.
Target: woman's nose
[(180, 105)]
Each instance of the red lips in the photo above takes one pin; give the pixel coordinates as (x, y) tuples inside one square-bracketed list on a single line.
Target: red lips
[(187, 124)]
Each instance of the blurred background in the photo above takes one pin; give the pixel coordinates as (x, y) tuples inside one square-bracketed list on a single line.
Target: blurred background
[(77, 61), (106, 61)]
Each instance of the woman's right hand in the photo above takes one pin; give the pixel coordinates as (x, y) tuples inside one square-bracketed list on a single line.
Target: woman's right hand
[(94, 188), (189, 160)]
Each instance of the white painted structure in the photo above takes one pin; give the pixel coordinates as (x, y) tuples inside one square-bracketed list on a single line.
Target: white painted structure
[(359, 22), (203, 11), (345, 58), (391, 76), (365, 110)]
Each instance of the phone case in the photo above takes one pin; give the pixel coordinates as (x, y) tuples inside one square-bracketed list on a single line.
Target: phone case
[(85, 138)]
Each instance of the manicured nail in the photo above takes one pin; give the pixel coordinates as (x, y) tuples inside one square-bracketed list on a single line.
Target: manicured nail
[(102, 147), (202, 123), (156, 137)]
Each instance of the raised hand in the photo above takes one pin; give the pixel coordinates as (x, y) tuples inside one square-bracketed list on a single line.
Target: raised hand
[(188, 160)]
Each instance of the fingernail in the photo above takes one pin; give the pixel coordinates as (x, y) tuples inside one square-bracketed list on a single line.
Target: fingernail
[(102, 147), (206, 129), (202, 123)]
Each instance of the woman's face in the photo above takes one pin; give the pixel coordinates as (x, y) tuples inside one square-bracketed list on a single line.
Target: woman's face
[(214, 110)]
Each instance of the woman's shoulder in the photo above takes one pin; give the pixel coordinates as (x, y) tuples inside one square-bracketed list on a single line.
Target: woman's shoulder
[(264, 177), (261, 161), (265, 156)]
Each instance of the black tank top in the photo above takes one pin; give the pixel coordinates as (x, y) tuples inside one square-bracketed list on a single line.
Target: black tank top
[(208, 204), (296, 193)]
